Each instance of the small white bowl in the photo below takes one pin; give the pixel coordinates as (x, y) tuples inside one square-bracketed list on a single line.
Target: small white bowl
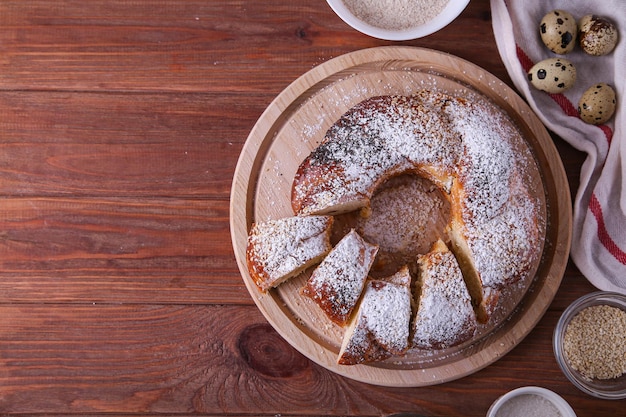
[(452, 10), (561, 405)]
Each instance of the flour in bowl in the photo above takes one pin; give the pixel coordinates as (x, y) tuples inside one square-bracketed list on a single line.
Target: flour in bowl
[(396, 14)]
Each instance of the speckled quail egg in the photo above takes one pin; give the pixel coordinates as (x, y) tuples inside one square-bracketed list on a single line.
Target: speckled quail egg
[(597, 104), (597, 35), (558, 31), (552, 75)]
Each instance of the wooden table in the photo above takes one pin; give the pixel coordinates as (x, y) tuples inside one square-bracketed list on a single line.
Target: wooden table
[(120, 127)]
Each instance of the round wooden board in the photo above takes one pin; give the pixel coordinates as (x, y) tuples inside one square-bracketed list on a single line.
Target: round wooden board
[(295, 123)]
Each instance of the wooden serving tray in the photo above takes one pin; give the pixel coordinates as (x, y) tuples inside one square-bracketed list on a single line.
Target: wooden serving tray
[(295, 123)]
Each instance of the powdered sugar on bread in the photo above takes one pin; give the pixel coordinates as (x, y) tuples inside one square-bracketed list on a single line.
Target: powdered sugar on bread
[(444, 316), (337, 282), (464, 147), (380, 327), (469, 152), (280, 249)]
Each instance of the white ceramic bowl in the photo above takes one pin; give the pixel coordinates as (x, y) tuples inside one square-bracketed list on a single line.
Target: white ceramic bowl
[(564, 408), (452, 10), (610, 389)]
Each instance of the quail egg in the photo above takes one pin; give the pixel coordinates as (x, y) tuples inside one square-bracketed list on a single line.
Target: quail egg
[(597, 104), (558, 31), (598, 35), (552, 75)]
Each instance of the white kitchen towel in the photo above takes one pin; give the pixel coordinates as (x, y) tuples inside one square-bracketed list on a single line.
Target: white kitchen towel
[(599, 224)]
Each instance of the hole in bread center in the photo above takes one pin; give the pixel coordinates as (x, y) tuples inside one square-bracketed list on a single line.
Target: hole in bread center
[(406, 215)]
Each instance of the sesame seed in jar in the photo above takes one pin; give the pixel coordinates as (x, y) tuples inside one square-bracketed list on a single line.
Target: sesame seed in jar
[(595, 342), (396, 14)]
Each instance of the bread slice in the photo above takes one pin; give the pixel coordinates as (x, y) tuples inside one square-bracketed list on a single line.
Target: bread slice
[(380, 327), (280, 249), (444, 315), (337, 282)]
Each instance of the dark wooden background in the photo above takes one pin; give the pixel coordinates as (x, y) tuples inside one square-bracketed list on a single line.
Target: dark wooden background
[(120, 127)]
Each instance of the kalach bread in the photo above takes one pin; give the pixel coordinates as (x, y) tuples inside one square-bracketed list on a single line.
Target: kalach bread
[(280, 249), (380, 327), (465, 148), (491, 235), (337, 282)]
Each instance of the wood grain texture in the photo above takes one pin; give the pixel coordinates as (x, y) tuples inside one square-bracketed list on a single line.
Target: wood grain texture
[(120, 144), (121, 123), (181, 45), (117, 250), (218, 360)]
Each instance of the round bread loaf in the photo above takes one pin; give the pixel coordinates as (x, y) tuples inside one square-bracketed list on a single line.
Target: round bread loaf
[(466, 148)]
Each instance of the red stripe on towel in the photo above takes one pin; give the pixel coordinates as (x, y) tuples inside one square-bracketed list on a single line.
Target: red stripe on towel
[(524, 59), (566, 105), (608, 133), (603, 234)]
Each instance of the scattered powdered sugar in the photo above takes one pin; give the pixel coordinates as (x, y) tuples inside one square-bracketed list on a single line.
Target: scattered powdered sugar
[(336, 284), (380, 327), (510, 238), (487, 160), (424, 138), (377, 138), (500, 217), (277, 248), (445, 314), (396, 14), (387, 311)]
